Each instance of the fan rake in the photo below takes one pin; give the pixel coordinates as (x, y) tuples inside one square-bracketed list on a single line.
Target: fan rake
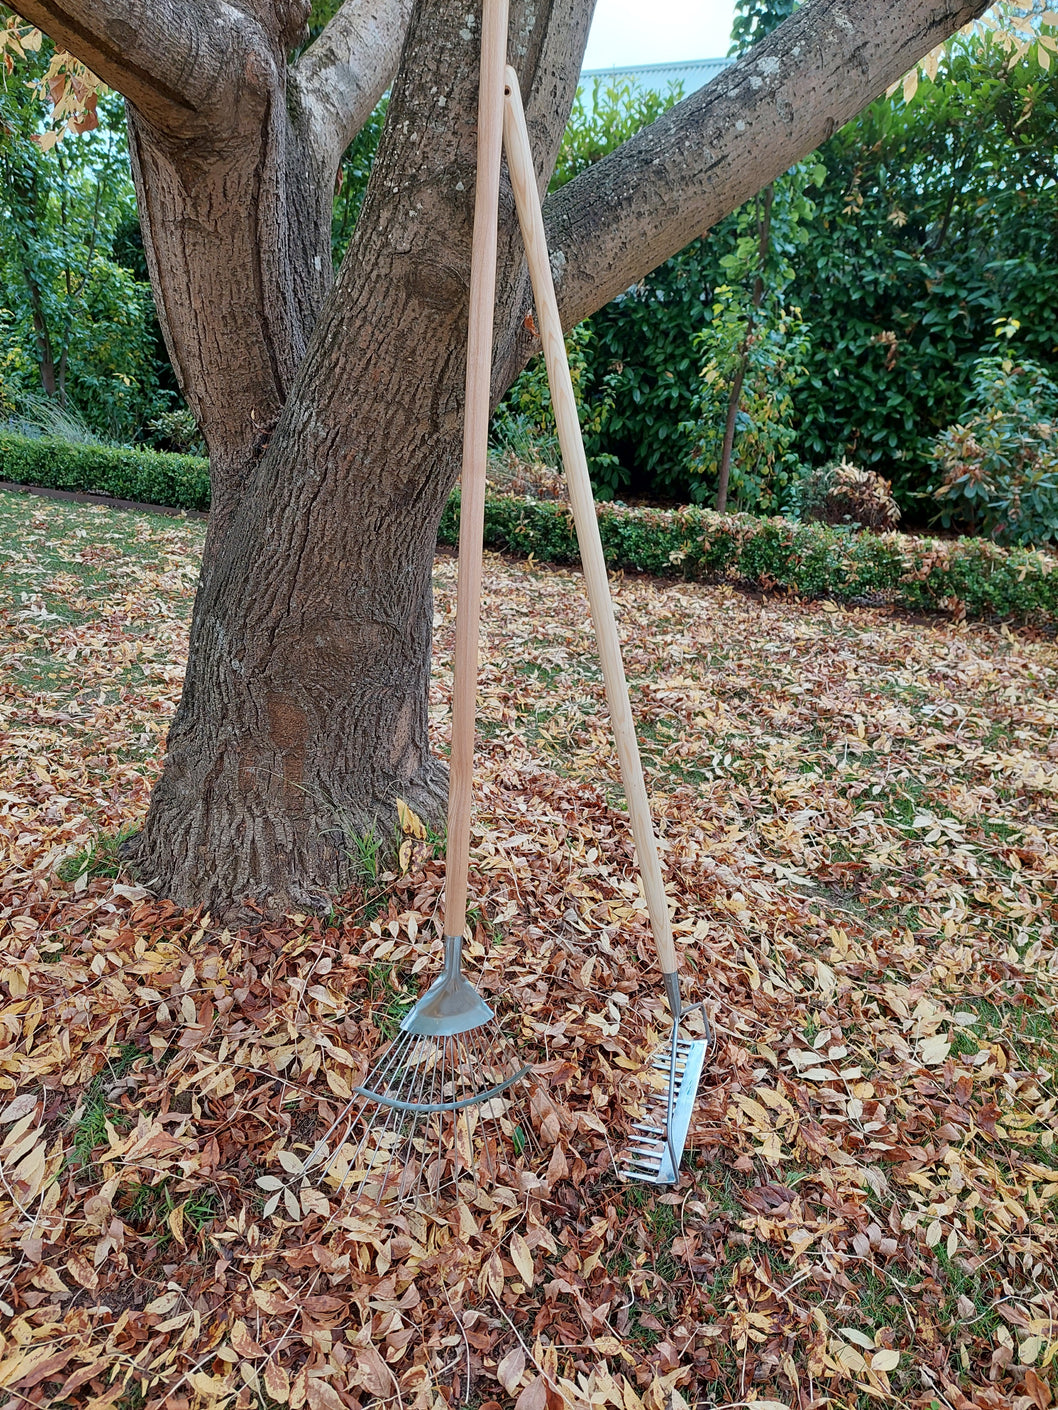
[(434, 1113)]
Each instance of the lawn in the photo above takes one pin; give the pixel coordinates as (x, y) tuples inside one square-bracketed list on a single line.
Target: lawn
[(859, 816)]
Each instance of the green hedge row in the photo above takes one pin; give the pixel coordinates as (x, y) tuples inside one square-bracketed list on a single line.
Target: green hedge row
[(150, 476), (815, 560)]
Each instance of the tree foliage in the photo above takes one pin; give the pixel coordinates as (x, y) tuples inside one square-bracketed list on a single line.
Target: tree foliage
[(921, 227), (77, 325)]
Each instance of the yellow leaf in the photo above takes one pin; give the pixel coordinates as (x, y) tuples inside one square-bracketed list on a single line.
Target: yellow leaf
[(933, 1051), (885, 1360), (410, 823), (522, 1259), (849, 1358), (854, 1334), (338, 1085), (176, 1224), (910, 85), (1029, 1350)]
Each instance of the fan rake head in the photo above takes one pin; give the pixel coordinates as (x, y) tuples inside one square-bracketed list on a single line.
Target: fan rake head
[(436, 1111)]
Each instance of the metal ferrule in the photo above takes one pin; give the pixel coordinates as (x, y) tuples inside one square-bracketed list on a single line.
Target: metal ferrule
[(451, 1004), (672, 993)]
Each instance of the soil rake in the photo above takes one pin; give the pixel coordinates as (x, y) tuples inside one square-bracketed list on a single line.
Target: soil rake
[(661, 1135), (435, 1108)]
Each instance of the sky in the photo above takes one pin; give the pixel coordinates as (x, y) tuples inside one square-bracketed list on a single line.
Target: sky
[(628, 32)]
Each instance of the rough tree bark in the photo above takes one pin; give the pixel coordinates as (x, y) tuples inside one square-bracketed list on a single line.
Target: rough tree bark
[(332, 415)]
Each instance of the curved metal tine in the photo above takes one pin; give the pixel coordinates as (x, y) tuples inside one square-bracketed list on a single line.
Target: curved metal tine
[(389, 1057), (383, 1073), (373, 1141), (670, 1104), (424, 1064), (480, 1134), (490, 1121), (437, 1127), (488, 1161), (420, 1145), (412, 1124)]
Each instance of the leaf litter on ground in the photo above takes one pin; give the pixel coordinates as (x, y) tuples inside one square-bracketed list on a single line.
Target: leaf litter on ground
[(858, 815)]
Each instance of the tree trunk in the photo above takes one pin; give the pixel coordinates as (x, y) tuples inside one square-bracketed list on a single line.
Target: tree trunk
[(333, 419), (305, 709), (727, 450)]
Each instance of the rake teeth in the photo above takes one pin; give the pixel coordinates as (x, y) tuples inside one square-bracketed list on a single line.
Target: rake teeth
[(656, 1147), (435, 1116)]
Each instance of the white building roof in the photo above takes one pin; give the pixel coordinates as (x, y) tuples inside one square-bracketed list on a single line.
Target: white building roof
[(659, 78)]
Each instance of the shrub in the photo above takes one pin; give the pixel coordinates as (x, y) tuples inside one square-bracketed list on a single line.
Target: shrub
[(812, 559), (151, 476), (999, 468), (177, 431), (842, 493)]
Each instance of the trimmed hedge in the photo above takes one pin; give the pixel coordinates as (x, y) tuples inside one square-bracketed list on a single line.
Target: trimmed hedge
[(973, 576), (150, 476)]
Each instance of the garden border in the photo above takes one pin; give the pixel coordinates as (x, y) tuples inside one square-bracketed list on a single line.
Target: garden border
[(971, 577)]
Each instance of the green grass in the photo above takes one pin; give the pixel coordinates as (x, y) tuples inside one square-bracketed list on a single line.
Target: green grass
[(389, 1003), (147, 1208), (41, 540), (102, 857), (95, 1111)]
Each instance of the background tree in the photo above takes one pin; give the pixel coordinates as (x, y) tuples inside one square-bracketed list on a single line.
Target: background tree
[(74, 316), (754, 20), (332, 415)]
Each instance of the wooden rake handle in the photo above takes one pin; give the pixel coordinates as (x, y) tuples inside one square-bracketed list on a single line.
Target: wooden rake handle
[(475, 456), (530, 216)]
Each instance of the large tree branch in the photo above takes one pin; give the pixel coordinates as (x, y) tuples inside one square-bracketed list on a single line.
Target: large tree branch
[(177, 61), (656, 193), (345, 71)]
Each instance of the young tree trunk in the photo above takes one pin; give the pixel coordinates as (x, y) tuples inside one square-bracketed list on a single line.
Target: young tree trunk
[(739, 379)]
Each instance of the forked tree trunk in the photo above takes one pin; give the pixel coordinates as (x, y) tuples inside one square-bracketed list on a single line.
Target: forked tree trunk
[(333, 419), (305, 710)]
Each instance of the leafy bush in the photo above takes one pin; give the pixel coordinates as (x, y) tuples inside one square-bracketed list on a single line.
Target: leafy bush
[(842, 493), (177, 431), (762, 351), (77, 325), (150, 476), (915, 252), (812, 559), (999, 468)]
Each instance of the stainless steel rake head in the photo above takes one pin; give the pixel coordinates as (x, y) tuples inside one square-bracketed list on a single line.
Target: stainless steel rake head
[(657, 1145), (434, 1109)]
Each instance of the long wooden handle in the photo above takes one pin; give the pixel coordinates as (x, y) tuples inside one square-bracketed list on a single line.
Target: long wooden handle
[(530, 216), (475, 453)]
